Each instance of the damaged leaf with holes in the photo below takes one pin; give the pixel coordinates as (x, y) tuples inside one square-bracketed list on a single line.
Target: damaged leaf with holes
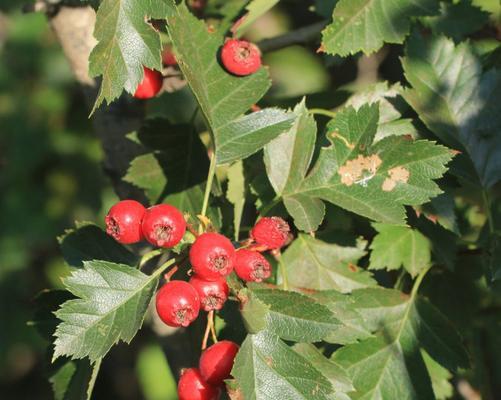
[(374, 179)]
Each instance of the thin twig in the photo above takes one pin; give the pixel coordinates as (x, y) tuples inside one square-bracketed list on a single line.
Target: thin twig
[(212, 326), (299, 36)]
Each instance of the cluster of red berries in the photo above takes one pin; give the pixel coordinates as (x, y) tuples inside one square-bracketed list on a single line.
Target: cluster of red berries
[(206, 381), (212, 256)]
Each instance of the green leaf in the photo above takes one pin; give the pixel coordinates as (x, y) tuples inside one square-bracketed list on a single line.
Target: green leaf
[(391, 365), (395, 246), (374, 180), (391, 105), (266, 368), (126, 43), (457, 101), (365, 25), (293, 316), (73, 379), (182, 163), (457, 20), (236, 194), (255, 9), (146, 173), (313, 264), (334, 373), (112, 301), (439, 378), (88, 242), (222, 97)]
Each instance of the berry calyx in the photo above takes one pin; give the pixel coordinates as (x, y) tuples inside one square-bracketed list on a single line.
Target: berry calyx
[(191, 386), (150, 85), (251, 266), (178, 303), (123, 221), (217, 361), (213, 294), (271, 232), (212, 256), (240, 57), (163, 225)]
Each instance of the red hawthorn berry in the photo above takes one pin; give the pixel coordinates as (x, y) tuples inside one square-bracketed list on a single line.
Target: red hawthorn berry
[(123, 221), (240, 57), (217, 361), (150, 86), (212, 256), (163, 225), (213, 294), (191, 386), (252, 266), (271, 232), (197, 5), (177, 303)]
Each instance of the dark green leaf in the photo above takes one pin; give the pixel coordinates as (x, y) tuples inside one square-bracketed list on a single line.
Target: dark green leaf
[(146, 173), (457, 101), (73, 379), (88, 242), (222, 97)]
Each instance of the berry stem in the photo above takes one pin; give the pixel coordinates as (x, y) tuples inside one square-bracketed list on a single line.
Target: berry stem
[(169, 274), (283, 274), (163, 267), (207, 330), (212, 326), (208, 187), (321, 111), (148, 256)]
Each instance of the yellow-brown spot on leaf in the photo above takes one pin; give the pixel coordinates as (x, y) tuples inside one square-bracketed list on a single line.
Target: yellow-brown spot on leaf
[(352, 267), (337, 135), (359, 170), (397, 174)]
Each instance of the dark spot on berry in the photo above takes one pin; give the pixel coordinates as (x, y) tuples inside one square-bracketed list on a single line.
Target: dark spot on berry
[(219, 262), (112, 227), (260, 271), (213, 302), (162, 234)]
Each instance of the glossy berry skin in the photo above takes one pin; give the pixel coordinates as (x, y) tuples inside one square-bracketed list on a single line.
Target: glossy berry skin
[(213, 294), (123, 221), (212, 256), (217, 361), (191, 386), (240, 57), (177, 303), (270, 232), (150, 86), (163, 225), (251, 266)]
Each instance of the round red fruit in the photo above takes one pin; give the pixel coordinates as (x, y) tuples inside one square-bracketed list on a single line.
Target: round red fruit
[(240, 57), (123, 221), (213, 294), (212, 256), (217, 361), (150, 85), (251, 266), (270, 232), (191, 386), (163, 225), (177, 303)]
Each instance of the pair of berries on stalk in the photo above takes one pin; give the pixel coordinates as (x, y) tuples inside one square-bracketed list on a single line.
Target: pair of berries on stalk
[(206, 381), (238, 57)]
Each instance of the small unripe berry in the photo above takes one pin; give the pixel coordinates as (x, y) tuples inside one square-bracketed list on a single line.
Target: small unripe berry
[(213, 294), (217, 361), (191, 386), (212, 256), (168, 57), (163, 225), (240, 57), (150, 85), (270, 232), (251, 266), (123, 221), (177, 303)]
